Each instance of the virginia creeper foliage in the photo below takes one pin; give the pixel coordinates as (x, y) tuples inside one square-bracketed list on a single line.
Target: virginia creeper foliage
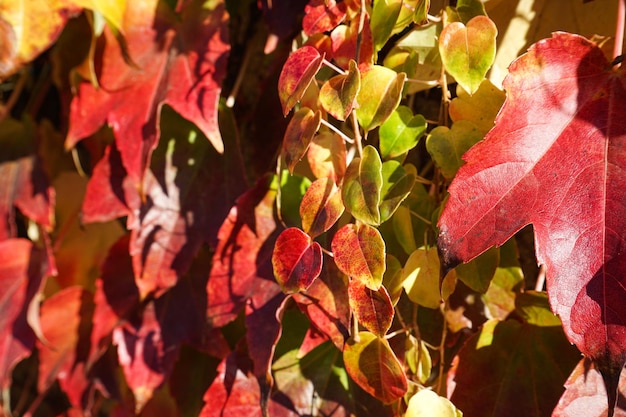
[(309, 208)]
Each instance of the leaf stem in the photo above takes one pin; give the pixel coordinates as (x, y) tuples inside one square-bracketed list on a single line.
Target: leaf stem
[(337, 131), (15, 94), (541, 278), (619, 29), (333, 66), (357, 135), (442, 346)]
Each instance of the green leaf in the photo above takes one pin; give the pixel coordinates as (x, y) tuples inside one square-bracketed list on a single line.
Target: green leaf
[(338, 95), (401, 132), (359, 252), (418, 358), (302, 126), (506, 283), (411, 221), (421, 279), (427, 403), (298, 72), (478, 273), (447, 146), (480, 108), (397, 184), (379, 96), (467, 52), (468, 9), (296, 260), (420, 15), (372, 308), (534, 308), (371, 363), (392, 278), (321, 207), (384, 16), (362, 186), (292, 189)]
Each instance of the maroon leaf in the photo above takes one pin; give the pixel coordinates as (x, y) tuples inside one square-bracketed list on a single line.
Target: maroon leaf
[(179, 60), (242, 268), (65, 352), (322, 16), (560, 168), (297, 260), (298, 72), (21, 273), (372, 308), (326, 304)]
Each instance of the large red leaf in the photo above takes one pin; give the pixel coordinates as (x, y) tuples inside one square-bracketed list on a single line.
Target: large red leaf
[(21, 273), (322, 16), (555, 159), (297, 260), (178, 60)]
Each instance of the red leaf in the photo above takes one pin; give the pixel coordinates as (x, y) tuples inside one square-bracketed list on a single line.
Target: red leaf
[(372, 308), (321, 207), (344, 41), (66, 324), (180, 61), (297, 260), (322, 16), (302, 126), (558, 167), (21, 272), (298, 72), (326, 304), (242, 268)]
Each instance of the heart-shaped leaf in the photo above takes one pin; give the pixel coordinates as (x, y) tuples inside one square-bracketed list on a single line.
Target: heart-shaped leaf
[(298, 135), (362, 185), (359, 252), (321, 207), (467, 52), (298, 71), (447, 145), (373, 309), (401, 132), (327, 156), (479, 108), (397, 184), (297, 261), (421, 279), (338, 95), (371, 363), (379, 96)]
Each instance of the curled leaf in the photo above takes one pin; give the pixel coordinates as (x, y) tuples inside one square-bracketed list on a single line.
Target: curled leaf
[(298, 71)]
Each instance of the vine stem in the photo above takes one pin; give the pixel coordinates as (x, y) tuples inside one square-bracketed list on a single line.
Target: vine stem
[(357, 135), (337, 131), (442, 347), (619, 29), (333, 66)]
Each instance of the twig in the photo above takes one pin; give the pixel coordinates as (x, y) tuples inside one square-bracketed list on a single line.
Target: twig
[(357, 135), (619, 29), (337, 131), (541, 278), (333, 66)]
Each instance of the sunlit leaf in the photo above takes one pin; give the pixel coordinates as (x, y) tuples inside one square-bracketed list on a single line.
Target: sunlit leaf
[(447, 145), (338, 95), (480, 108), (468, 51), (362, 186), (427, 403), (468, 9), (411, 221), (401, 132), (418, 358), (359, 252), (327, 156), (298, 71), (321, 207), (371, 363), (397, 184), (322, 16), (302, 126), (297, 260), (372, 308), (379, 96), (344, 43), (421, 279), (385, 13)]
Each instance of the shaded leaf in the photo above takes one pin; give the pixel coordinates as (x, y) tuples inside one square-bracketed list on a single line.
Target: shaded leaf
[(479, 108), (421, 276), (400, 132), (298, 72), (384, 16), (326, 304), (418, 358), (338, 94), (468, 9), (379, 96), (327, 156), (392, 278), (468, 51), (323, 16), (321, 207), (372, 308), (297, 260), (359, 252), (302, 126), (397, 184), (560, 169), (526, 380), (411, 221), (447, 145), (362, 186), (477, 274), (179, 61), (371, 363), (22, 268)]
